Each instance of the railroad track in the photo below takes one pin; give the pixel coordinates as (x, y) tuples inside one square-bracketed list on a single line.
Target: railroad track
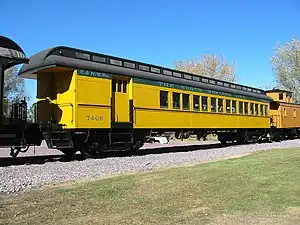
[(41, 159)]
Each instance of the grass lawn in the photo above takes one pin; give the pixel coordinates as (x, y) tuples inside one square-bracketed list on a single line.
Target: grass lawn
[(262, 188)]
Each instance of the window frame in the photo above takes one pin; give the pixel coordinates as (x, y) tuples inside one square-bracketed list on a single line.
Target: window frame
[(183, 101), (251, 108), (213, 104), (246, 108), (173, 102), (233, 107), (241, 108), (226, 105), (160, 99), (207, 105), (199, 103), (222, 105), (256, 109), (266, 110), (280, 96), (119, 87)]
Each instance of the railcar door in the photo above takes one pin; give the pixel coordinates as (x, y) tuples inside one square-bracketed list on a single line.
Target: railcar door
[(120, 101)]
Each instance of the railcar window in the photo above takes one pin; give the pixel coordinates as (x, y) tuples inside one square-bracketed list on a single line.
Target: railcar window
[(205, 80), (164, 99), (256, 109), (124, 86), (167, 72), (98, 59), (175, 74), (261, 110), (129, 64), (220, 105), (155, 70), (115, 62), (119, 86), (142, 67), (196, 78), (266, 110), (280, 96), (176, 100), (233, 106), (204, 103), (186, 101), (241, 111), (246, 108), (228, 106), (251, 108), (187, 76), (213, 105), (81, 55), (196, 102)]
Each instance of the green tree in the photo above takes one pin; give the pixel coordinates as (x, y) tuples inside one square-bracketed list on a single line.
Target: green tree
[(286, 67), (31, 115), (14, 90), (211, 66)]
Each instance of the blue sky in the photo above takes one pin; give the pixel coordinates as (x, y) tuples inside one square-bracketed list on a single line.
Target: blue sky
[(158, 32)]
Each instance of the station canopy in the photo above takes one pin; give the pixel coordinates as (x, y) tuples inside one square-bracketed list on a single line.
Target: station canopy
[(11, 54)]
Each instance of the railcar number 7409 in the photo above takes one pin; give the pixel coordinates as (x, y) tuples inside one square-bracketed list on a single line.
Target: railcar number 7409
[(97, 118)]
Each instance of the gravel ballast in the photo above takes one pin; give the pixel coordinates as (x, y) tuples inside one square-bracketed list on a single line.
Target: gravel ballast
[(20, 177)]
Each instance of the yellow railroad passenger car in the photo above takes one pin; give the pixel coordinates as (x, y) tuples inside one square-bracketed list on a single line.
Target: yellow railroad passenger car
[(93, 102)]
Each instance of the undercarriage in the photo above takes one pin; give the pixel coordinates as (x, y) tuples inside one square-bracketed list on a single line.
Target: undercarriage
[(93, 142)]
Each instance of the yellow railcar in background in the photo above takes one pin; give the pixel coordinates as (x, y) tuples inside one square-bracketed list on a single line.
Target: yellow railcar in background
[(285, 114), (94, 102)]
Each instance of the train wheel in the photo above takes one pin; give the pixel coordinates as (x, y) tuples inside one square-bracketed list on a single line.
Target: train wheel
[(68, 151), (222, 139), (243, 139), (134, 150), (92, 150), (88, 153), (14, 151)]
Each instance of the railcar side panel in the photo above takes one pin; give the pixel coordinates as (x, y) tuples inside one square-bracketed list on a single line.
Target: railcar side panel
[(286, 116), (56, 98), (66, 98), (161, 119), (93, 100), (149, 113), (290, 115)]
